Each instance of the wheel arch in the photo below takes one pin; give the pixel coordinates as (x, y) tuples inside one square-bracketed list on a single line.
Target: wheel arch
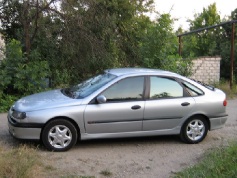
[(202, 115), (65, 118)]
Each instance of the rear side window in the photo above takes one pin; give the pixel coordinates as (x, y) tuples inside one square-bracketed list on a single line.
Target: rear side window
[(192, 90), (165, 88)]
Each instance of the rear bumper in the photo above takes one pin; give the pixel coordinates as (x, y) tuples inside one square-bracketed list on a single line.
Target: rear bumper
[(218, 122)]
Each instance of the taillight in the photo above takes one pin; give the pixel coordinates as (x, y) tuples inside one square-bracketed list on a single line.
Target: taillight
[(225, 102)]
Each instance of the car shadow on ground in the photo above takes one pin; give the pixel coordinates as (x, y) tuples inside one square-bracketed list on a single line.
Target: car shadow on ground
[(129, 141), (99, 143)]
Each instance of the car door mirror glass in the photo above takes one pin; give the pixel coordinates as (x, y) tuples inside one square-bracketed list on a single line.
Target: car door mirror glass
[(101, 99)]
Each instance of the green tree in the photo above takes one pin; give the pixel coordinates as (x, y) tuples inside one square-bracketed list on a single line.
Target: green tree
[(78, 38), (205, 42), (212, 42), (21, 19), (159, 47), (36, 25), (225, 46), (104, 34)]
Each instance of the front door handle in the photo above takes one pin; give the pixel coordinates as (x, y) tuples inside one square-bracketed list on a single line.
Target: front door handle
[(135, 107), (185, 104)]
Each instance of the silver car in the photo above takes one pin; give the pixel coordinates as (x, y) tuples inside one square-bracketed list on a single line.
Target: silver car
[(126, 102)]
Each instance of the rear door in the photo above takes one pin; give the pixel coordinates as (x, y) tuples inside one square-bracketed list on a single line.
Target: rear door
[(168, 103)]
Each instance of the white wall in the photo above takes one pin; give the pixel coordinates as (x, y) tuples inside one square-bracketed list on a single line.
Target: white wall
[(206, 69)]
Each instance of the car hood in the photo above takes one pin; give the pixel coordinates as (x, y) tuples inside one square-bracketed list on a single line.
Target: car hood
[(45, 100)]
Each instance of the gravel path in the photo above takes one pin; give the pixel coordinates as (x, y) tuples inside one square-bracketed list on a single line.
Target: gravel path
[(131, 158)]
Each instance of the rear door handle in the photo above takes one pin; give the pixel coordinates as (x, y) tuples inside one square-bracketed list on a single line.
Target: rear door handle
[(135, 107), (185, 104)]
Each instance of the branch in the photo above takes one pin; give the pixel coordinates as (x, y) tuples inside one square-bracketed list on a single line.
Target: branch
[(36, 21)]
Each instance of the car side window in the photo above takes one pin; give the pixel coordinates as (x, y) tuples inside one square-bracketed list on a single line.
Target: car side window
[(192, 90), (128, 89), (161, 87)]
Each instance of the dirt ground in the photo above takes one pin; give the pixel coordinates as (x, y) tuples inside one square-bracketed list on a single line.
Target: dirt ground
[(151, 157)]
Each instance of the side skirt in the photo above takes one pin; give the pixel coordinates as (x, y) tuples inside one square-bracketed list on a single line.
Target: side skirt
[(174, 131)]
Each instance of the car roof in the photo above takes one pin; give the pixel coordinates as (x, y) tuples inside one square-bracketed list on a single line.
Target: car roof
[(129, 71), (146, 71)]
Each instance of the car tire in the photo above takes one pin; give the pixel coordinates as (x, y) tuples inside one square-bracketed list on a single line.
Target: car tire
[(194, 130), (59, 135)]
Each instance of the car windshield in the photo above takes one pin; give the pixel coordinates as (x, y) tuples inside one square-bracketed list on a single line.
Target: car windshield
[(87, 87)]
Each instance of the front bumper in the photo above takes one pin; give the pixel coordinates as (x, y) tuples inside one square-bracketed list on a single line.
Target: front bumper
[(217, 122), (21, 131)]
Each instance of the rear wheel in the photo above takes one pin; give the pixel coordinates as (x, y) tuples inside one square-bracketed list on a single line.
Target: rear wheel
[(59, 135), (194, 130)]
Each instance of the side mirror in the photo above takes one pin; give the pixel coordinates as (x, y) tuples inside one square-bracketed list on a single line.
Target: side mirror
[(101, 99)]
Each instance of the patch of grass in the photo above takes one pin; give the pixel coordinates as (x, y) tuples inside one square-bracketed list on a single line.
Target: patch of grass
[(22, 162), (106, 173), (49, 168), (220, 162)]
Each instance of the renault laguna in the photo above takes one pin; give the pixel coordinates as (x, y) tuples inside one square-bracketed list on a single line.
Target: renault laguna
[(125, 102)]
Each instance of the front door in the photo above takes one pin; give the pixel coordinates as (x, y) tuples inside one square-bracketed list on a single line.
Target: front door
[(123, 110)]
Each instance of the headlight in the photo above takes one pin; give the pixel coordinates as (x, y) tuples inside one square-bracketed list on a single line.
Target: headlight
[(18, 115)]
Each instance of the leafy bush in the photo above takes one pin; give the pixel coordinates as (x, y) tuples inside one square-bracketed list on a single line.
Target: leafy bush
[(177, 64), (171, 63), (20, 75), (6, 101), (61, 78), (9, 65), (31, 77)]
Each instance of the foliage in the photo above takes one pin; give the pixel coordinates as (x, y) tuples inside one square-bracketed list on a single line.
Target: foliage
[(159, 47), (80, 37), (6, 101), (212, 42), (226, 47), (73, 38), (220, 162), (61, 78), (19, 76), (31, 77), (207, 42), (8, 67), (91, 44)]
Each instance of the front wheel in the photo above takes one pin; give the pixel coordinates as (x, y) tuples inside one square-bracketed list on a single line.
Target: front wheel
[(194, 130), (59, 135)]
